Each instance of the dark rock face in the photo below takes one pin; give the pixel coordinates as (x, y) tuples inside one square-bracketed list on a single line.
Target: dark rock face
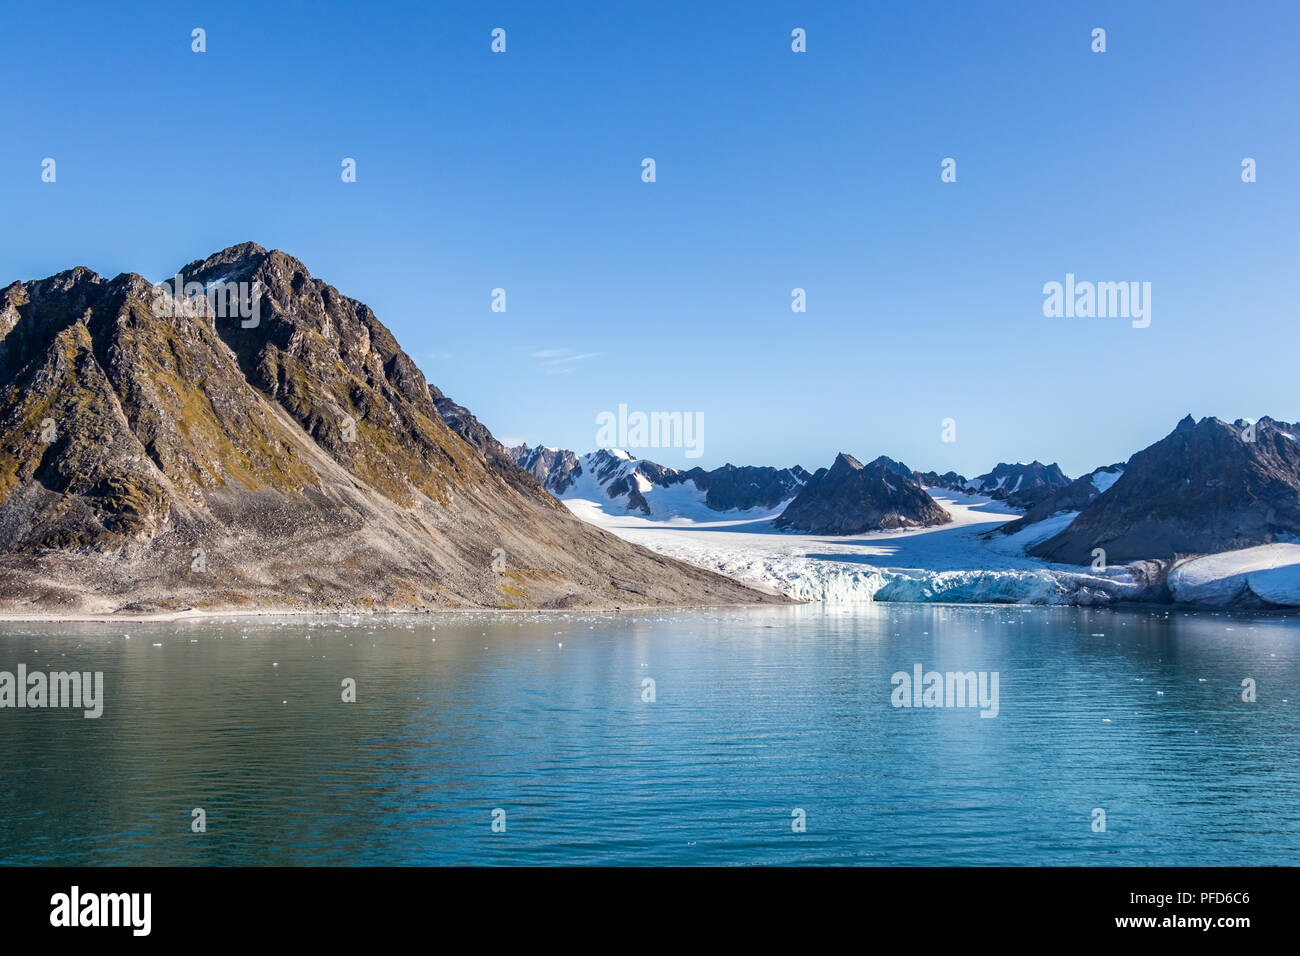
[(555, 468), (1073, 497), (949, 479), (1203, 488), (850, 498), (1021, 485), (462, 421), (897, 467), (748, 486), (302, 454)]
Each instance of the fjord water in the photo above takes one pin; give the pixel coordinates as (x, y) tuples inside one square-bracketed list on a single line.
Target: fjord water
[(756, 714)]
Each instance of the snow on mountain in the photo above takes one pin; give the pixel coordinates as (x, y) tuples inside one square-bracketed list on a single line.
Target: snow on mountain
[(953, 562), (618, 483), (550, 466), (1048, 515), (990, 552), (1103, 478), (1023, 484)]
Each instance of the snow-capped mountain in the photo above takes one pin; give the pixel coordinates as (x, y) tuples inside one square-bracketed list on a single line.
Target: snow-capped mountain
[(1208, 516), (1060, 507), (553, 467), (622, 484), (1023, 484)]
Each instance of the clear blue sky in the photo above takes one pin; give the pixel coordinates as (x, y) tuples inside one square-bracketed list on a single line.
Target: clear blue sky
[(775, 170)]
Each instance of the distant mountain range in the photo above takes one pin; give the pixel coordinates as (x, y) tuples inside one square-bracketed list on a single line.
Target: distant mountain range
[(1208, 487), (617, 476), (1072, 497), (836, 500), (1021, 485)]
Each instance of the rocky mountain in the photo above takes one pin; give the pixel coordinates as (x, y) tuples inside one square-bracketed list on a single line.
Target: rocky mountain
[(897, 467), (1073, 497), (744, 487), (1022, 485), (1207, 487), (635, 484), (621, 476), (161, 452), (850, 498), (949, 479), (462, 421), (553, 467)]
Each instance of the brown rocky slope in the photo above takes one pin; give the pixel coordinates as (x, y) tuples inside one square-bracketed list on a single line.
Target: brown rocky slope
[(162, 458)]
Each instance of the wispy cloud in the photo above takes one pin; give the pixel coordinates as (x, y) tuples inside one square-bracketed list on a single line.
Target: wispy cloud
[(561, 361)]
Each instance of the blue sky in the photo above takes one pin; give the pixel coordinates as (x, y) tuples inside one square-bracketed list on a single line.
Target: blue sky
[(775, 170)]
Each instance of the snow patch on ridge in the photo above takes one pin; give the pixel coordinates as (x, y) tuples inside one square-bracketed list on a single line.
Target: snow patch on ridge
[(588, 498), (1102, 480)]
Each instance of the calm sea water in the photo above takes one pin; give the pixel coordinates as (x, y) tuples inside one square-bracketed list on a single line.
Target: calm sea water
[(756, 714)]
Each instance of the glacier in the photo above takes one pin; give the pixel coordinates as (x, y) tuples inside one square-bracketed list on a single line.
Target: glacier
[(952, 563), (963, 562)]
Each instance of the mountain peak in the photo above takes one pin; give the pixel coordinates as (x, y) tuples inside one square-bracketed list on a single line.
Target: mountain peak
[(241, 250), (892, 464), (1202, 489), (850, 498), (1022, 484), (844, 462), (239, 261), (297, 460)]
